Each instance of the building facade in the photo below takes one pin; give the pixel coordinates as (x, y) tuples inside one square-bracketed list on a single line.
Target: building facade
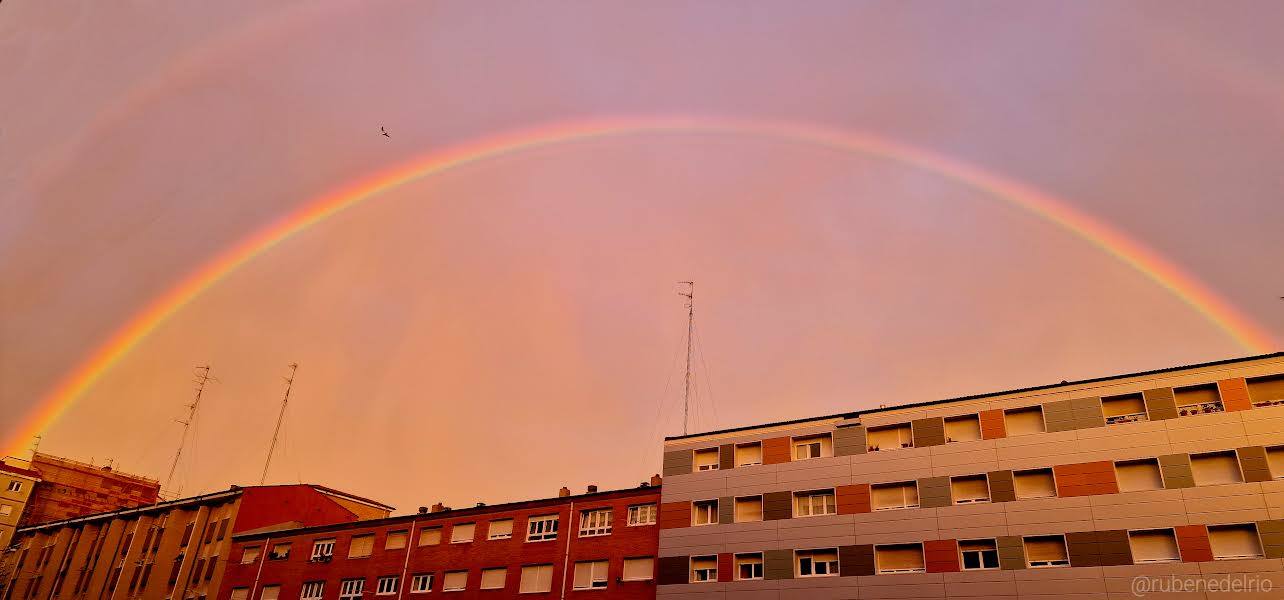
[(17, 480), (595, 545), (170, 550), (1070, 490), (70, 488)]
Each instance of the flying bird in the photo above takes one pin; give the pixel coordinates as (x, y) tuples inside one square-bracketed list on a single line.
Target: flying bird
[(384, 132)]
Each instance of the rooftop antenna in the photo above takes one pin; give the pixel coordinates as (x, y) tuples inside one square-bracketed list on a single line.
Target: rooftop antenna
[(689, 294), (35, 446), (202, 377), (289, 383)]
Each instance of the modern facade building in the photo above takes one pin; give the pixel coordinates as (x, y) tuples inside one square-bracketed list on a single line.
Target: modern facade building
[(598, 545), (70, 488), (1061, 491), (173, 550), (17, 480)]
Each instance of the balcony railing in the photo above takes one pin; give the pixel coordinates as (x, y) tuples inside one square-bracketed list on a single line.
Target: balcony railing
[(1128, 418), (1201, 408)]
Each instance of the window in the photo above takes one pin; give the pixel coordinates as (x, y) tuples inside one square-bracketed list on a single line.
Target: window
[(1035, 483), (462, 533), (1023, 421), (890, 437), (1266, 391), (454, 581), (500, 529), (1046, 551), (595, 522), (590, 575), (704, 512), (250, 554), (706, 460), (1197, 400), (899, 558), (494, 579), (748, 454), (969, 489), (362, 546), (1154, 545), (396, 540), (270, 592), (811, 504), (816, 563), (239, 593), (888, 496), (1137, 475), (312, 590), (1230, 542), (979, 554), (748, 508), (639, 569), (15, 485), (1215, 468), (704, 569), (5, 510), (280, 551), (322, 550), (1275, 461), (1128, 408), (387, 585), (541, 528), (813, 446), (748, 566), (641, 514), (536, 579), (430, 536), (351, 589), (421, 583), (965, 428)]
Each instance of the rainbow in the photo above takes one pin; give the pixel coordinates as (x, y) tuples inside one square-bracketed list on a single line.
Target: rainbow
[(1055, 211)]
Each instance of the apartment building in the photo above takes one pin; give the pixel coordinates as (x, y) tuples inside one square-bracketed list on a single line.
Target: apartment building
[(1060, 491), (599, 545), (171, 550), (17, 480), (70, 488)]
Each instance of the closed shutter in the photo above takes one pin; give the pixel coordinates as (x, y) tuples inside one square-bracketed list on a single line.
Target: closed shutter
[(1023, 421), (462, 532), (270, 592), (536, 578), (966, 428), (748, 454), (493, 579), (1275, 458), (894, 495), (430, 536), (1136, 475), (639, 569), (500, 529), (1215, 469), (455, 580), (362, 545), (1117, 407), (396, 540), (1046, 551), (901, 558), (969, 489), (1234, 541), (1156, 545), (240, 594), (748, 509), (1264, 391), (1035, 484)]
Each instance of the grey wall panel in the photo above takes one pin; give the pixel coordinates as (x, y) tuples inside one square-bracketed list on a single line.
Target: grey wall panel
[(1011, 552), (677, 462), (777, 505), (1252, 462), (673, 570), (928, 432), (726, 510), (778, 564), (934, 492), (1088, 413), (849, 441), (1272, 533), (1002, 488), (1059, 416), (1160, 404), (727, 456), (1176, 471), (856, 560)]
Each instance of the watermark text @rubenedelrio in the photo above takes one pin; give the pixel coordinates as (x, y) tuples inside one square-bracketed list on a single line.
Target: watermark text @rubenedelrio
[(1230, 582)]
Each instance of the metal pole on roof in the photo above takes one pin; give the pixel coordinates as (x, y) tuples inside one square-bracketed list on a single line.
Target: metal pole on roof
[(289, 383), (202, 377), (689, 294)]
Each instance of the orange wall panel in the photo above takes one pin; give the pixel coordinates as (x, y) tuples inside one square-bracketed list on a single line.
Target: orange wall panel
[(725, 567), (941, 556), (1192, 540), (1234, 394), (1086, 479), (775, 451), (992, 426), (674, 515), (853, 499)]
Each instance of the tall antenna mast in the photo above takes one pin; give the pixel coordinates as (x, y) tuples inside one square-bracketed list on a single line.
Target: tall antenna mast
[(289, 383), (35, 445), (202, 377), (689, 294)]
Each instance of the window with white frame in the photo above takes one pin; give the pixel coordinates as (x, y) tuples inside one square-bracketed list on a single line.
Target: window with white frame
[(494, 579), (1154, 545), (596, 521), (536, 579), (250, 554), (387, 585), (969, 489), (813, 446), (499, 529), (815, 503), (706, 459), (748, 509), (641, 514), (1128, 408), (890, 437), (1023, 421), (1231, 542), (362, 546), (270, 592), (351, 589), (322, 549), (748, 454), (979, 554), (748, 566), (462, 533), (704, 512), (1046, 551), (704, 569), (899, 558), (421, 583), (963, 428), (312, 590), (396, 540), (1215, 468), (816, 563), (1140, 474), (590, 575), (541, 528), (891, 496), (1034, 483), (240, 593), (454, 581), (639, 569), (6, 510), (430, 536)]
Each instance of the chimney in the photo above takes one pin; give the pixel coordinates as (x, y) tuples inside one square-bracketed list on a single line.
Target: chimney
[(592, 489), (564, 492), (656, 480), (438, 507), (480, 504), (423, 510)]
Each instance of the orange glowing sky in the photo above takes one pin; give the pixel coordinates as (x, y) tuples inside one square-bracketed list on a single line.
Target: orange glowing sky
[(498, 328)]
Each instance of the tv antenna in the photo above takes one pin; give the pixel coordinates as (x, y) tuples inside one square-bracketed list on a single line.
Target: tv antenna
[(289, 383), (202, 377), (689, 294)]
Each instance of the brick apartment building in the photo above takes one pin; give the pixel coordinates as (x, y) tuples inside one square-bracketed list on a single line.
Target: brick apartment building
[(595, 545), (70, 488), (171, 550), (1060, 491)]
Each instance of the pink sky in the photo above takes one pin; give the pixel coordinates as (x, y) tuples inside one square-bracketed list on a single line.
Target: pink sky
[(509, 327)]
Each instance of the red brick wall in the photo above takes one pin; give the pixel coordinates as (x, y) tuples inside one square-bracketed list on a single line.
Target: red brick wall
[(1086, 479), (992, 426), (1234, 393), (272, 505)]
